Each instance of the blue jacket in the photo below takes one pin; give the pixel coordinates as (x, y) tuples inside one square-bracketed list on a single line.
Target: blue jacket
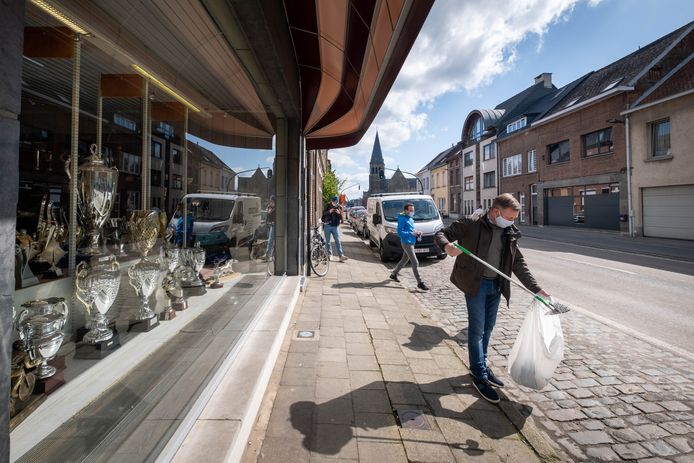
[(406, 229)]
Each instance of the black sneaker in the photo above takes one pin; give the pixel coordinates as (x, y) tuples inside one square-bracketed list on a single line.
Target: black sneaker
[(394, 277), (493, 379), (422, 286), (486, 391)]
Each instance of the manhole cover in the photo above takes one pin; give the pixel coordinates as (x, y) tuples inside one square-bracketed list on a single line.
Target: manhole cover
[(413, 419)]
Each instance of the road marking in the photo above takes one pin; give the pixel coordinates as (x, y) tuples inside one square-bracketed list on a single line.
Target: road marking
[(629, 253), (596, 265)]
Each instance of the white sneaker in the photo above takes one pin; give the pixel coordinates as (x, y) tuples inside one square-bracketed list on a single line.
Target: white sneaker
[(343, 258)]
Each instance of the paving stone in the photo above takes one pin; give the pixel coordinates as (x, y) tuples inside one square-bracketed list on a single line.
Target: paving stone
[(372, 401), (608, 381), (362, 362), (397, 373), (631, 451), (649, 407), (651, 431), (332, 370), (632, 398), (581, 393), (298, 376), (593, 425), (659, 448), (598, 412), (626, 435), (677, 427), (573, 449), (629, 388), (337, 411), (675, 406), (681, 443), (591, 437), (615, 423), (404, 393), (327, 354), (565, 415), (359, 349), (334, 440), (332, 388), (585, 382), (377, 426), (601, 453), (391, 358), (366, 380), (379, 452)]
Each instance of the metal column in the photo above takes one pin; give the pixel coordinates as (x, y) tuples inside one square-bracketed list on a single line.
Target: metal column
[(74, 154)]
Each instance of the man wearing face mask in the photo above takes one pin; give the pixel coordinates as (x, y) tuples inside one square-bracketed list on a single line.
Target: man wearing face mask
[(408, 237), (332, 218), (492, 237)]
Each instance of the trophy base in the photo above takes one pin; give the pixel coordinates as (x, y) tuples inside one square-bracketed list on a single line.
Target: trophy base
[(217, 285), (167, 314), (96, 351), (50, 384), (194, 291), (143, 326), (179, 306)]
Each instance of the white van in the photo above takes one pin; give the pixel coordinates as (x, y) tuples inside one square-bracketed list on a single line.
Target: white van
[(222, 218), (382, 224)]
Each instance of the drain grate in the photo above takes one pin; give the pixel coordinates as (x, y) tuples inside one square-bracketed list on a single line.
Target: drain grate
[(413, 419)]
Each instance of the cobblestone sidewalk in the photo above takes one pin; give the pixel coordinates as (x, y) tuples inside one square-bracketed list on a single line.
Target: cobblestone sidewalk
[(361, 351), (613, 398)]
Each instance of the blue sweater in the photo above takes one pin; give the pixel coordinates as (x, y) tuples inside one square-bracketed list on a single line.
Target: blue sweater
[(406, 229)]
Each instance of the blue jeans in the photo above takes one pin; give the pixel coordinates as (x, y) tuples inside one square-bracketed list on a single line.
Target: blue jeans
[(333, 230), (270, 239), (481, 314)]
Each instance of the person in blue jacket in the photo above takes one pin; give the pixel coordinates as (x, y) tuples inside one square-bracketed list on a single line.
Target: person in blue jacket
[(408, 237)]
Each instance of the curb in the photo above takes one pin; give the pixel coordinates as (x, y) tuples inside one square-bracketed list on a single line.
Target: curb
[(525, 426)]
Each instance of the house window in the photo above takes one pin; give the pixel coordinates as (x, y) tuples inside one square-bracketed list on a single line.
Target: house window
[(156, 149), (488, 152), (442, 203), (476, 129), (468, 183), (532, 161), (558, 152), (176, 156), (124, 122), (596, 143), (517, 125), (521, 200), (512, 165), (490, 179), (660, 138), (155, 177), (130, 163), (468, 159), (177, 182)]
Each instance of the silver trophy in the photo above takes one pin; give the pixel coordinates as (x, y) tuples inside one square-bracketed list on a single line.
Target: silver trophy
[(144, 276), (172, 281), (195, 261), (97, 288), (96, 187), (40, 327)]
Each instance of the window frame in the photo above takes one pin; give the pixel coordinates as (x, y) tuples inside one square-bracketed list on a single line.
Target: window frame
[(584, 146), (511, 162), (492, 150), (487, 175), (652, 139), (559, 143), (469, 180), (532, 164), (465, 158)]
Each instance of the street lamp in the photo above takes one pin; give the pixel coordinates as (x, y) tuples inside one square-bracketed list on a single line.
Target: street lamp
[(236, 174)]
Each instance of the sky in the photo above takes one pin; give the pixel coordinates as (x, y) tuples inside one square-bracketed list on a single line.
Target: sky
[(477, 53)]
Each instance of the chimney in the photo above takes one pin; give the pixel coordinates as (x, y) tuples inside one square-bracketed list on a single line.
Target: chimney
[(546, 78)]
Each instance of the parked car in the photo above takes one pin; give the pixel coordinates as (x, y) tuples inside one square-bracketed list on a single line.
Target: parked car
[(354, 210), (228, 219), (357, 221), (381, 226)]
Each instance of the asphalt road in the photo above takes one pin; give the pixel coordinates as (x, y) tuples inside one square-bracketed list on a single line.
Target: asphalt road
[(651, 295)]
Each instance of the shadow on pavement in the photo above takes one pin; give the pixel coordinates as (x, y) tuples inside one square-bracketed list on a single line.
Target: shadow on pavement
[(426, 337), (327, 427)]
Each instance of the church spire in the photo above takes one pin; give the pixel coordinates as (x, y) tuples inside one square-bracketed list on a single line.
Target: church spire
[(376, 154)]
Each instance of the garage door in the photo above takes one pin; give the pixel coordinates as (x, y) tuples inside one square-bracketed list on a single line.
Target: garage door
[(668, 212)]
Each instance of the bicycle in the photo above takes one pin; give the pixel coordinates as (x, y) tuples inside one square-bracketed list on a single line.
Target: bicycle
[(319, 258)]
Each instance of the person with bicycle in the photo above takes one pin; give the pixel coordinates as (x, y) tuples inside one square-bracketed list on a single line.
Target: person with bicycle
[(408, 237), (332, 218)]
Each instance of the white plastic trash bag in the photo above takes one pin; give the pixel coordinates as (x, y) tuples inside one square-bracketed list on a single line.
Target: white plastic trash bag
[(538, 350)]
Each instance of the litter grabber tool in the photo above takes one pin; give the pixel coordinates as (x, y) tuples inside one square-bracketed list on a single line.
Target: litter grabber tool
[(554, 306)]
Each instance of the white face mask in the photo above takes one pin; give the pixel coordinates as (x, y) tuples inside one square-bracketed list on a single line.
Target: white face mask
[(410, 213), (502, 223)]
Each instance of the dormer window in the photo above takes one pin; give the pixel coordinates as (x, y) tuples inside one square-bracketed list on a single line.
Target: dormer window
[(476, 129), (612, 85), (572, 102), (517, 125)]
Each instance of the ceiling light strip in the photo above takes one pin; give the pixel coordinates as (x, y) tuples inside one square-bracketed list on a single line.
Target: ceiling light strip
[(166, 88), (60, 16)]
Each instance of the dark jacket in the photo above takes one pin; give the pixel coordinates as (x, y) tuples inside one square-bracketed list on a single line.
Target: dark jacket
[(332, 218), (475, 234)]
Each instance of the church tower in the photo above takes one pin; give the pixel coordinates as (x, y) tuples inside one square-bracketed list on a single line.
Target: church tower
[(376, 166)]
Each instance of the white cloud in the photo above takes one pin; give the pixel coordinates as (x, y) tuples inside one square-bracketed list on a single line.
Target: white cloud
[(462, 47)]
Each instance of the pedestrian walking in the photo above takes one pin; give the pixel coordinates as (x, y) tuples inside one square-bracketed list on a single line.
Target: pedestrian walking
[(270, 228), (332, 218), (408, 238), (493, 237)]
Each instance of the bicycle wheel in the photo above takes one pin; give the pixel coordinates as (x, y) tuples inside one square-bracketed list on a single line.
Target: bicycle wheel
[(320, 260)]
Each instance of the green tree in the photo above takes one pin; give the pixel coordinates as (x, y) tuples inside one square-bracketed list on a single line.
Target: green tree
[(332, 185)]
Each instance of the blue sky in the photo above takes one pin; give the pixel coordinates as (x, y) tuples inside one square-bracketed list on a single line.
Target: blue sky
[(477, 53)]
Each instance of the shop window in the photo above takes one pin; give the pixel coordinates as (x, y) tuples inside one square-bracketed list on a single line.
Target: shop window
[(558, 152), (660, 138), (597, 143)]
